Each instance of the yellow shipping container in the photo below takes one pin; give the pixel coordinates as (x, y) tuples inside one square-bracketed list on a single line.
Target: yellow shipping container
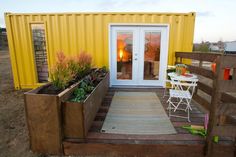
[(74, 32)]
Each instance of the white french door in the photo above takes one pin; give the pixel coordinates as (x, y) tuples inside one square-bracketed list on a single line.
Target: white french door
[(138, 55)]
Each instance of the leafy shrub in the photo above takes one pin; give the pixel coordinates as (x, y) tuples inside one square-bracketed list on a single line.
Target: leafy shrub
[(73, 66), (85, 63), (60, 73), (81, 92), (67, 69), (79, 95), (88, 84)]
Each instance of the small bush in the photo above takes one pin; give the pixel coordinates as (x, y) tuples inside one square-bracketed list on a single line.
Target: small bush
[(88, 84), (68, 70), (60, 73), (85, 63)]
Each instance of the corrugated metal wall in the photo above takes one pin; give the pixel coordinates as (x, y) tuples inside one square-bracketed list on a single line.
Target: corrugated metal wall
[(73, 32)]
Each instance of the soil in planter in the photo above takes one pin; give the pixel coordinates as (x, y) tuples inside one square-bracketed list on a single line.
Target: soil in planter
[(51, 89)]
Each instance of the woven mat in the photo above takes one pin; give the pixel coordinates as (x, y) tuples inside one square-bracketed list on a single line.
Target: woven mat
[(137, 113)]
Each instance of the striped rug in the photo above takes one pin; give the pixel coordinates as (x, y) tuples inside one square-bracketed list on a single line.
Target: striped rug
[(137, 113)]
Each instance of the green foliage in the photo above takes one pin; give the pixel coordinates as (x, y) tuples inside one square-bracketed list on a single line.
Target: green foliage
[(79, 95), (81, 92), (104, 69), (87, 88), (60, 73), (73, 66), (203, 47), (88, 84), (84, 61), (66, 70), (181, 65)]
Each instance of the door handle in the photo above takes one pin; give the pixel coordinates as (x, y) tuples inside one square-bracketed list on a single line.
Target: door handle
[(136, 59)]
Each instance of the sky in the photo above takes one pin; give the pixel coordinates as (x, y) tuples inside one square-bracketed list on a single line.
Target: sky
[(215, 20)]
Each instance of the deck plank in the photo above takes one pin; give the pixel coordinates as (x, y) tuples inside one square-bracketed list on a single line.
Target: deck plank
[(171, 137)]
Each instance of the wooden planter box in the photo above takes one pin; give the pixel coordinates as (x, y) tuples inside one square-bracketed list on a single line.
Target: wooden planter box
[(78, 117), (43, 115)]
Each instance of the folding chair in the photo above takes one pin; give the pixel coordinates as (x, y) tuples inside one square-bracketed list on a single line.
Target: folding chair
[(168, 81), (167, 88), (182, 93)]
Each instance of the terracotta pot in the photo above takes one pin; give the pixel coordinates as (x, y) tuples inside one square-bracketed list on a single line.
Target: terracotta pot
[(183, 71), (180, 70)]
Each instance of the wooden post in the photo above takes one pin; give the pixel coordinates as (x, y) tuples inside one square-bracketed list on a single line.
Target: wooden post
[(234, 74), (176, 59), (200, 63), (181, 60), (235, 147), (215, 101)]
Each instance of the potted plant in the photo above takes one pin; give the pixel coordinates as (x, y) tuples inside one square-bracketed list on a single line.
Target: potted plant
[(80, 109), (43, 104), (181, 69)]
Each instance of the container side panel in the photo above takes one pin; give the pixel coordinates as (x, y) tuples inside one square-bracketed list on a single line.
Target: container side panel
[(73, 33), (12, 51)]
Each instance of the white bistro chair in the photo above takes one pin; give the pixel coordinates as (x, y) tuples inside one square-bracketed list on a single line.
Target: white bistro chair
[(180, 97), (168, 81)]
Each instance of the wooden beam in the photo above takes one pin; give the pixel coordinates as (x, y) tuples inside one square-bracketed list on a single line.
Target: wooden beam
[(227, 98), (173, 137), (209, 57), (234, 74), (188, 55), (228, 131), (203, 102), (227, 85), (226, 109), (130, 150), (230, 120), (205, 88), (216, 96), (201, 71)]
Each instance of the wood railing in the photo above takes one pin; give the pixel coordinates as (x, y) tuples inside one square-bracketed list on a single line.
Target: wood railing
[(222, 105)]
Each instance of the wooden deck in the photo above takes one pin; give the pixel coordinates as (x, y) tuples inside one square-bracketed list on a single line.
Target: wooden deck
[(182, 143)]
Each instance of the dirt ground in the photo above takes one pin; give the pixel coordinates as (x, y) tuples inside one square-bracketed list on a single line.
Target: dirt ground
[(14, 141)]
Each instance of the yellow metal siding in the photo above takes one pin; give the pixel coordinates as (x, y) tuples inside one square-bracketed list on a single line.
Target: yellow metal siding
[(74, 32)]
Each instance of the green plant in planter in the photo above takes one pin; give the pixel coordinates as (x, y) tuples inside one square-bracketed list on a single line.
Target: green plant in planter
[(88, 84), (87, 88), (81, 92), (73, 66), (84, 61), (79, 95), (60, 74)]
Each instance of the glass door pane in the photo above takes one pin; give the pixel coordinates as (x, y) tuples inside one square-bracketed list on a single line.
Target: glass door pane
[(151, 55), (124, 55)]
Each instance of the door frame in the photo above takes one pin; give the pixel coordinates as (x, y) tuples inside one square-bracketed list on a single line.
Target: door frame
[(166, 45)]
